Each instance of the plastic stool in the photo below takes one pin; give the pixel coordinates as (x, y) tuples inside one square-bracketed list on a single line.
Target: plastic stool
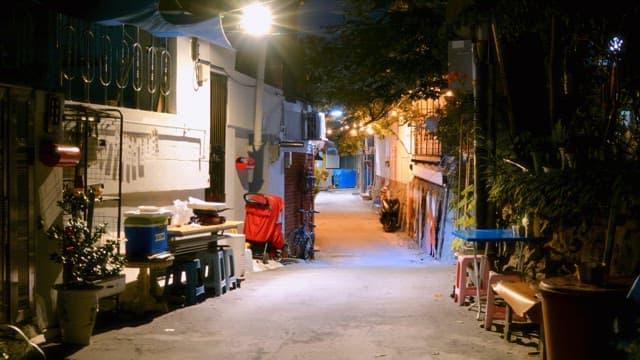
[(494, 312), (461, 290), (213, 271), (185, 278), (229, 270)]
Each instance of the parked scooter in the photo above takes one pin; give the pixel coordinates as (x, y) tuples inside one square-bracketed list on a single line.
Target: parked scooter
[(389, 214)]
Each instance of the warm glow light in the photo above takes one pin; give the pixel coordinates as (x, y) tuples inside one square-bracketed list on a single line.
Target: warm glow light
[(329, 131), (256, 19), (369, 130), (353, 132), (394, 113)]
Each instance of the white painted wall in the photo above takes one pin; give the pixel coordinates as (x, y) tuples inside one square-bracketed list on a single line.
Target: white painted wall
[(394, 149), (240, 117), (174, 148), (167, 144), (382, 156), (403, 157)]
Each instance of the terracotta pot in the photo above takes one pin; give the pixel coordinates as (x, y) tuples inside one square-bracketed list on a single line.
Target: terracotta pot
[(77, 310), (578, 318)]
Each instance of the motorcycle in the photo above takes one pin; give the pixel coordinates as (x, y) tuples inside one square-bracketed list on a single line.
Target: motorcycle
[(389, 214)]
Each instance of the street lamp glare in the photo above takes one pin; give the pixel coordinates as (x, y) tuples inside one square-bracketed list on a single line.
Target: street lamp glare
[(256, 19)]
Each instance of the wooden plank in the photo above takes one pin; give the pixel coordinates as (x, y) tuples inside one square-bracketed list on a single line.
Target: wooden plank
[(184, 230)]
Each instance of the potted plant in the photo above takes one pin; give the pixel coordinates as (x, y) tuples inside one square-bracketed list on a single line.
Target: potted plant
[(87, 258), (321, 175), (588, 214)]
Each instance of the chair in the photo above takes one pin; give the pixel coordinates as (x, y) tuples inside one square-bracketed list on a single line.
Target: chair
[(464, 276), (524, 301), (494, 311)]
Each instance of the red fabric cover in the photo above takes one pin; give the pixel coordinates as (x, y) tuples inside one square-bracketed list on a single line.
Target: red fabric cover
[(261, 222)]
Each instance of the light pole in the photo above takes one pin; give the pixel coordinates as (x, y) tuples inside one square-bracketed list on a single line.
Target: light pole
[(256, 22)]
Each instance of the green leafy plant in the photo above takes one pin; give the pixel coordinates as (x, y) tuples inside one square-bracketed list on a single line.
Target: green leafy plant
[(320, 176), (576, 209), (465, 217), (86, 254)]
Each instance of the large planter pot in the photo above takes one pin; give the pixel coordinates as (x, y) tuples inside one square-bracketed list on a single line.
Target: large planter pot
[(77, 309), (579, 317)]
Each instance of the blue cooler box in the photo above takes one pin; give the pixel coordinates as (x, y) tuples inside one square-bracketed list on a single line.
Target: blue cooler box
[(146, 234)]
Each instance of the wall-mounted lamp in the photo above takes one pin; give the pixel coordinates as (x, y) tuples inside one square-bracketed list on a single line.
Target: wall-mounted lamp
[(288, 159), (201, 68), (59, 155), (246, 164), (203, 72), (449, 95)]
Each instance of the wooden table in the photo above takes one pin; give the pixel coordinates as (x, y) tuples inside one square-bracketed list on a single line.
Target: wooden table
[(183, 240), (147, 297)]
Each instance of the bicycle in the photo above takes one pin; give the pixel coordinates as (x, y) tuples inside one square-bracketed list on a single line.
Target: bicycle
[(302, 238)]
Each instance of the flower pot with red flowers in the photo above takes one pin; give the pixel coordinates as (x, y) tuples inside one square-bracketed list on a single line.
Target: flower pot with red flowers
[(88, 256)]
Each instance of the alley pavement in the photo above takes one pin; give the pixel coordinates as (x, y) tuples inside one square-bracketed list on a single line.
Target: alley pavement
[(368, 294)]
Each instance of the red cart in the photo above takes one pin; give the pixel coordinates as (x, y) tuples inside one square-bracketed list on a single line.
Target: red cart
[(262, 229)]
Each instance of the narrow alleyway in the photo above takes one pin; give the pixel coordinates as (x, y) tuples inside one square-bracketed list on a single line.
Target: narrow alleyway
[(368, 295)]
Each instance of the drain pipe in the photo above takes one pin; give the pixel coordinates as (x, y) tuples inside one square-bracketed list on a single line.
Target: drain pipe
[(259, 109), (256, 183)]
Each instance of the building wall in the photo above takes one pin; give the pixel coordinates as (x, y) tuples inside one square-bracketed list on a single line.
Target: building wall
[(174, 147), (176, 161), (298, 189)]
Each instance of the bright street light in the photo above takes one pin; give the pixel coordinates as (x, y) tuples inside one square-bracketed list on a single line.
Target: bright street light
[(256, 19), (336, 113)]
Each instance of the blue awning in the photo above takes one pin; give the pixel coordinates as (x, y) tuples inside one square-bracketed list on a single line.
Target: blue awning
[(209, 30), (146, 15)]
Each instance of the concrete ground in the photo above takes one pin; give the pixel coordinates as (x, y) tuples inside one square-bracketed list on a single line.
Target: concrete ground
[(367, 295)]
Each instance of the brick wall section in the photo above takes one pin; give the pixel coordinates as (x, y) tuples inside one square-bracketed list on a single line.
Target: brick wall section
[(296, 194)]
